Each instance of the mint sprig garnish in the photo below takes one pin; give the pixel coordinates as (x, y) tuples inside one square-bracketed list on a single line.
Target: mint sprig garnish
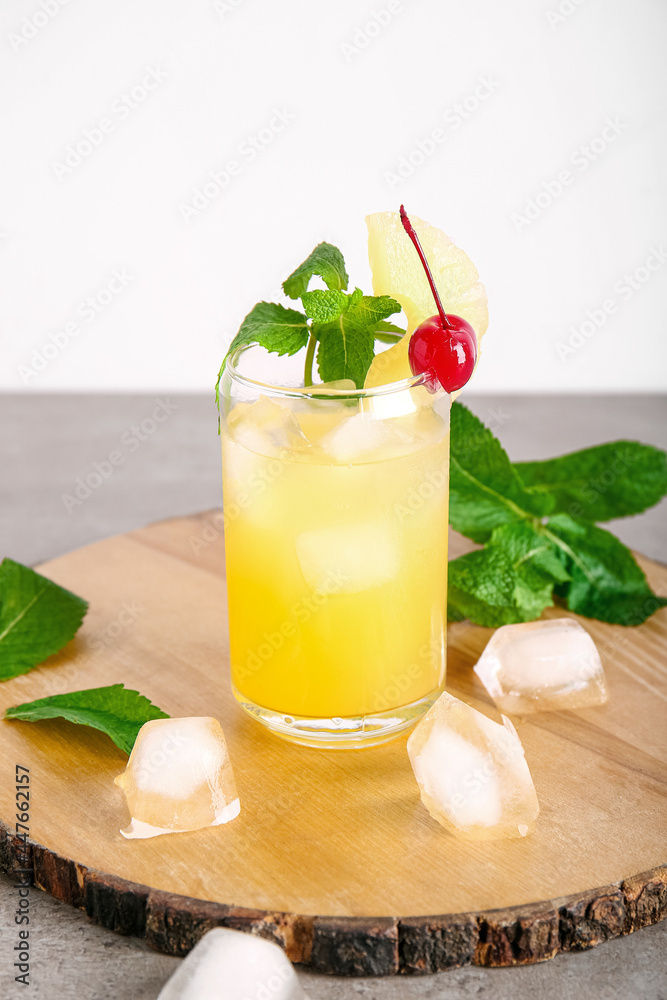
[(532, 548), (338, 328), (37, 618), (115, 710)]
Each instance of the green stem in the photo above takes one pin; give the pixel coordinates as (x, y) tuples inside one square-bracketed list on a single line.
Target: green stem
[(570, 552), (310, 357)]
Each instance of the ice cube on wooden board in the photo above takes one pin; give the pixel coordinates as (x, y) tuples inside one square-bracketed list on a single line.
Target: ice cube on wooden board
[(542, 666), (179, 777), (234, 966), (472, 773)]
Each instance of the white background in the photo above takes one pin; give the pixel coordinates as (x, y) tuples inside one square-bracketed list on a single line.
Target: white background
[(357, 105)]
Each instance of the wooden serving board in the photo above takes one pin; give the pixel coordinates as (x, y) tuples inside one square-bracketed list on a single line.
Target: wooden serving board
[(333, 854)]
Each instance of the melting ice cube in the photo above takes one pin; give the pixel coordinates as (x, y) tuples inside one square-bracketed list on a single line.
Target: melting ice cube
[(384, 405), (356, 438), (267, 427), (317, 414), (348, 558), (472, 774), (542, 666), (179, 777), (235, 966)]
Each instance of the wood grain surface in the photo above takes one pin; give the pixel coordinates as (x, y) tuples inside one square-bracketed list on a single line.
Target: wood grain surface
[(333, 854)]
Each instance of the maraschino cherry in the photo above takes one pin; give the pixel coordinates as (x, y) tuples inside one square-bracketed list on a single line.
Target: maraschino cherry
[(444, 346)]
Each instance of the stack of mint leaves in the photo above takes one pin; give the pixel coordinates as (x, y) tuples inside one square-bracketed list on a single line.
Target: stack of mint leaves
[(37, 619), (536, 521), (339, 327)]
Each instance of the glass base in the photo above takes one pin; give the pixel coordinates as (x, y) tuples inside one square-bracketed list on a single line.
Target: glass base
[(354, 733)]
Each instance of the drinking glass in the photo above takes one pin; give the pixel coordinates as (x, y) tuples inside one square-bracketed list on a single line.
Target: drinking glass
[(336, 517)]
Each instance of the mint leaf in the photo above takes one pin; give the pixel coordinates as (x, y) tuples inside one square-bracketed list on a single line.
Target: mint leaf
[(600, 483), (324, 306), (510, 580), (327, 262), (534, 555), (347, 345), (372, 309), (115, 710), (346, 349), (607, 583), (481, 587), (484, 488), (280, 330), (387, 333), (37, 618)]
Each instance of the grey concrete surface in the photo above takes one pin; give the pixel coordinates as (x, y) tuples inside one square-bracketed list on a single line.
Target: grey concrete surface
[(74, 959), (47, 443), (167, 463)]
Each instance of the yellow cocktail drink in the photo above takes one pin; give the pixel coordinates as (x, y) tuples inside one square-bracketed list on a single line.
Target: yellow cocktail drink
[(336, 544)]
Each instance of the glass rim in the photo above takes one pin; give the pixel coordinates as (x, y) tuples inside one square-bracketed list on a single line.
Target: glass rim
[(413, 382)]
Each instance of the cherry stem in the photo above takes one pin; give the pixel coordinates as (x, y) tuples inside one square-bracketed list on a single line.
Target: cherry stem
[(407, 225)]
